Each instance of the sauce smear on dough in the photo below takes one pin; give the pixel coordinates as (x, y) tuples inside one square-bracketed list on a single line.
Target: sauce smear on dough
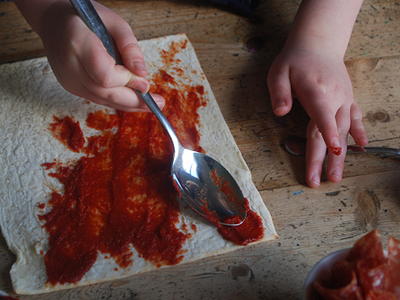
[(68, 130), (119, 194), (249, 231)]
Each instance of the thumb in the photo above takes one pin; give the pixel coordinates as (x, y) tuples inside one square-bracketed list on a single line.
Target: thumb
[(280, 91)]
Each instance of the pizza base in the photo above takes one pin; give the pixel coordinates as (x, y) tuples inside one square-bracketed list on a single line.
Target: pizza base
[(30, 97)]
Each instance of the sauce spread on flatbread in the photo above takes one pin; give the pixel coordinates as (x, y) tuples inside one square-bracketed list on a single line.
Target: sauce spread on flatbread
[(249, 231), (68, 130), (119, 194)]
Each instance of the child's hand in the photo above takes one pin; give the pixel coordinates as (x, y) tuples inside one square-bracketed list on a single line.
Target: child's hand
[(321, 83), (311, 67), (82, 64)]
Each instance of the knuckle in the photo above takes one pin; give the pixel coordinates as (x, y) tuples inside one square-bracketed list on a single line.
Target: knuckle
[(111, 97), (317, 135), (132, 46), (314, 134), (343, 131), (105, 80), (132, 50)]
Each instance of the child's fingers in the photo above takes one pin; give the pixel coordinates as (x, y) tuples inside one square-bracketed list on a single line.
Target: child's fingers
[(315, 155), (280, 91), (121, 98), (134, 71), (357, 130), (105, 83), (101, 67), (337, 156), (316, 104), (129, 49)]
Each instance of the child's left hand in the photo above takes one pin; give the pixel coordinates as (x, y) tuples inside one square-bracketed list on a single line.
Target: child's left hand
[(321, 83)]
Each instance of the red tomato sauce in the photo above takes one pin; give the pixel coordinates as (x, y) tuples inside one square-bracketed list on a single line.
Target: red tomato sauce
[(120, 194), (366, 273), (48, 166), (69, 131), (249, 231), (224, 187), (7, 298), (336, 150)]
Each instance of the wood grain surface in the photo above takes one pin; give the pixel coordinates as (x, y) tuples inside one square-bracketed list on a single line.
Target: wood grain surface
[(235, 54)]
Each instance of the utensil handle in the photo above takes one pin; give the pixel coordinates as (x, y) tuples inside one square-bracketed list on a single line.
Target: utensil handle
[(375, 150), (91, 18), (151, 104), (297, 146)]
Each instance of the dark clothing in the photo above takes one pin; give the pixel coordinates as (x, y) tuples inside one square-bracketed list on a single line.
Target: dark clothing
[(242, 7)]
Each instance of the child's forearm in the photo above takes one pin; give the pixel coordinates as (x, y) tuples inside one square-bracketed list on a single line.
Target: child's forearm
[(325, 23)]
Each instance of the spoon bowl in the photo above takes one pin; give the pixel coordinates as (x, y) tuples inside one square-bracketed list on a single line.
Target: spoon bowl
[(206, 186), (201, 181)]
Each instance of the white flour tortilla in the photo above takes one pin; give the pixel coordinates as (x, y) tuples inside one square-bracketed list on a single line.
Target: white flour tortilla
[(30, 97)]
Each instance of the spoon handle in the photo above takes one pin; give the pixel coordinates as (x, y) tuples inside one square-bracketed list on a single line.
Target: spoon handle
[(151, 104), (91, 18), (375, 150), (297, 146)]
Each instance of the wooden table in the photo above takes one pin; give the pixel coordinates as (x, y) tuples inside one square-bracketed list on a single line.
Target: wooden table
[(235, 53)]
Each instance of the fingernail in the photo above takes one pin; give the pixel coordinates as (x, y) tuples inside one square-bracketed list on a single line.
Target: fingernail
[(143, 87), (315, 179), (160, 104), (139, 65), (279, 106), (336, 173), (364, 139), (335, 142)]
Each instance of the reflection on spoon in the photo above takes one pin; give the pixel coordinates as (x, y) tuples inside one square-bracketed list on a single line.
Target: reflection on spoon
[(206, 185)]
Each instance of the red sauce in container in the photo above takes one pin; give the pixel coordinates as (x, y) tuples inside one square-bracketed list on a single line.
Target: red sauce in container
[(7, 298)]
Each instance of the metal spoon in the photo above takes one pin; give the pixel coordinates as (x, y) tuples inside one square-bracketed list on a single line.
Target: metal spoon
[(202, 182), (297, 146)]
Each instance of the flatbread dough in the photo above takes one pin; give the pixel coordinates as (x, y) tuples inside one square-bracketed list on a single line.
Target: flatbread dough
[(30, 97)]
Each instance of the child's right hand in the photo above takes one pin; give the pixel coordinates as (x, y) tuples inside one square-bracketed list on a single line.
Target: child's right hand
[(83, 66)]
